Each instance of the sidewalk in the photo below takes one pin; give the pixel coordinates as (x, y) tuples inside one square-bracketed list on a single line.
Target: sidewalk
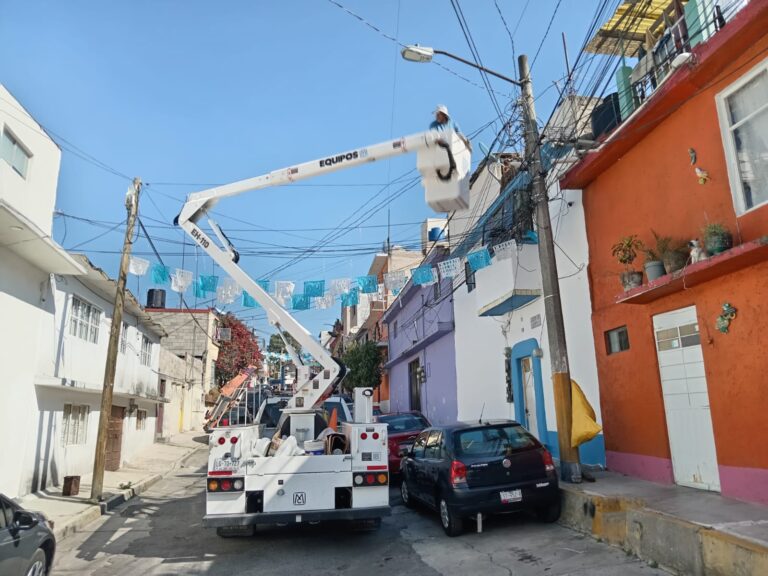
[(71, 513), (684, 530)]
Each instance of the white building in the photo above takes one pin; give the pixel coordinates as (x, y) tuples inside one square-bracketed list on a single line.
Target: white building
[(502, 362), (29, 261), (72, 352)]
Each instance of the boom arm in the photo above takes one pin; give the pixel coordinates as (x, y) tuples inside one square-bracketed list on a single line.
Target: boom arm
[(444, 162)]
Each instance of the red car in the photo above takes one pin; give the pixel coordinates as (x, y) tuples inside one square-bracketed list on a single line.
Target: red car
[(402, 431)]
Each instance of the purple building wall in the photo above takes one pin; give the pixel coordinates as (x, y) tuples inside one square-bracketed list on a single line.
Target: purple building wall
[(420, 327)]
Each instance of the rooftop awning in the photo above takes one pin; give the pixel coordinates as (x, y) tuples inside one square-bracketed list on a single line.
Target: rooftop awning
[(22, 236), (635, 22), (510, 301)]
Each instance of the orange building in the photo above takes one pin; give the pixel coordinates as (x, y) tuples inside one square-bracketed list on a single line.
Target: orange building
[(683, 400)]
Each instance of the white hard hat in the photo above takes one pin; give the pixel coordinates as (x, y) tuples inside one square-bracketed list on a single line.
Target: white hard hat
[(442, 108)]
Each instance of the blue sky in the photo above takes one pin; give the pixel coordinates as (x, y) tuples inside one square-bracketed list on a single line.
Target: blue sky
[(184, 93)]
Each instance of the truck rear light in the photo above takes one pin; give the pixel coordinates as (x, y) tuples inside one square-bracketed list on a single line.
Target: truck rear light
[(237, 484), (364, 436), (226, 485), (458, 473), (233, 439), (375, 435), (381, 478), (213, 485), (361, 479), (370, 478), (358, 479), (549, 464), (221, 440)]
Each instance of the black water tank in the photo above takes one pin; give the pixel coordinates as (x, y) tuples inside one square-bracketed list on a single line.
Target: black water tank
[(606, 115), (156, 298)]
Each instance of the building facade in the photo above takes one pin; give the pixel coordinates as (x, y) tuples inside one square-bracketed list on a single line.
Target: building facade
[(682, 390), (29, 263)]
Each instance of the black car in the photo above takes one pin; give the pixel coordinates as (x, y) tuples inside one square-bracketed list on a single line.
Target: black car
[(27, 544), (490, 467)]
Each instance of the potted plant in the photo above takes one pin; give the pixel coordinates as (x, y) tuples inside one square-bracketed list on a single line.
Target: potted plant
[(625, 251), (654, 267), (672, 253), (717, 238)]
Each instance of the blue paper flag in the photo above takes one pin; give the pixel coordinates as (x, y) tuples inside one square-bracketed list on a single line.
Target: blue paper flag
[(368, 284), (264, 284), (160, 274), (300, 302), (314, 288), (248, 300), (351, 298), (198, 286), (423, 275), (479, 259), (209, 283)]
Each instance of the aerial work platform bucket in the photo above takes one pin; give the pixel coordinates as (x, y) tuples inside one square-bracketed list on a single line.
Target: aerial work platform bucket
[(445, 171)]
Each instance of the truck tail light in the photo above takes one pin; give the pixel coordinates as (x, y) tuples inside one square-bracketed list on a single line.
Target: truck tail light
[(549, 464), (360, 479), (458, 473), (225, 485), (375, 435), (364, 436), (233, 439), (221, 440)]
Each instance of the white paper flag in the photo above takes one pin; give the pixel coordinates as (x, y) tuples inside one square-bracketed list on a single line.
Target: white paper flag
[(324, 302), (340, 286), (449, 268), (180, 280), (283, 292), (228, 291), (505, 250), (138, 266), (395, 280)]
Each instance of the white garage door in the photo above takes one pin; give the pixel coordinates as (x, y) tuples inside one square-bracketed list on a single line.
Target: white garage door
[(686, 400)]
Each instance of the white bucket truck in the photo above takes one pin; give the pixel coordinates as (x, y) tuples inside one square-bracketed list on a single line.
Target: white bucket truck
[(306, 472)]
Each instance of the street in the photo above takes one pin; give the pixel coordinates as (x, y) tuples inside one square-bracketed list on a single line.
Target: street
[(160, 533)]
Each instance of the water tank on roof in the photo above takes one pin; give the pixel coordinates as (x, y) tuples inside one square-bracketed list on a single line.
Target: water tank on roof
[(156, 298), (606, 115)]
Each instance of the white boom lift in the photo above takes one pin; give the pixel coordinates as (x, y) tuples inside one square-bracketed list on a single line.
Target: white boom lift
[(257, 481)]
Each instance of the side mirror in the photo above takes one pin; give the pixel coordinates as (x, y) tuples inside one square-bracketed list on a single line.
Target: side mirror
[(24, 520)]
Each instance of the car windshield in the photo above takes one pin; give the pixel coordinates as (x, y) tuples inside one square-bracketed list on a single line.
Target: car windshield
[(492, 440), (403, 422), (329, 406)]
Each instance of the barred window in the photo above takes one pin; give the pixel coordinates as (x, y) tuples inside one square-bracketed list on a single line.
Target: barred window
[(84, 320), (74, 429), (141, 420)]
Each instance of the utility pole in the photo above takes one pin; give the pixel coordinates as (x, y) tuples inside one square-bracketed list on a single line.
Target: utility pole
[(132, 206), (570, 468)]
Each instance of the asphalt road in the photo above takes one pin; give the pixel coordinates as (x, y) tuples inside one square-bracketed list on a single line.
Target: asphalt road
[(161, 534)]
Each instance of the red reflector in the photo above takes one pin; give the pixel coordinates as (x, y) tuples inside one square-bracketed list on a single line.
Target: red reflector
[(364, 436), (226, 485), (384, 467), (222, 440), (375, 435), (233, 439), (370, 478), (220, 473)]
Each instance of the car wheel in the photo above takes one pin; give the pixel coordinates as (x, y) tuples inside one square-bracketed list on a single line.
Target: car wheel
[(550, 513), (406, 494), (37, 564), (452, 523)]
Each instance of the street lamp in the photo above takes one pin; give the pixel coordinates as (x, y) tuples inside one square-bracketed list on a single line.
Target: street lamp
[(416, 53)]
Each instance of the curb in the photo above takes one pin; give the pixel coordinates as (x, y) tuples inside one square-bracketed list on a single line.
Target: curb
[(95, 511), (675, 544)]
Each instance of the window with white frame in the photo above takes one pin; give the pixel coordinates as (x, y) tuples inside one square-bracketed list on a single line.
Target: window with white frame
[(123, 338), (743, 111), (13, 152), (146, 351), (74, 425), (84, 320)]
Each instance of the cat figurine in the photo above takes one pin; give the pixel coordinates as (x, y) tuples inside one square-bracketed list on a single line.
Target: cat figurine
[(698, 253)]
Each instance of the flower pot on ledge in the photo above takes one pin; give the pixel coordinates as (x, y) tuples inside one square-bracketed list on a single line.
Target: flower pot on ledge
[(654, 269), (631, 279)]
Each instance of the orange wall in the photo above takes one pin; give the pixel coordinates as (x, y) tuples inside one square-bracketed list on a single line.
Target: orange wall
[(654, 186)]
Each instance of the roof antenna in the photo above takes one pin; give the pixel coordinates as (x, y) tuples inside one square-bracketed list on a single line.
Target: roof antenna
[(480, 420)]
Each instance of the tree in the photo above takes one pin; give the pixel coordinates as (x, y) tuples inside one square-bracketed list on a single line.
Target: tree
[(239, 352), (364, 363), (277, 346)]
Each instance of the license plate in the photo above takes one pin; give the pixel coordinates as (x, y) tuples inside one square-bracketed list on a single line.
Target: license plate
[(511, 496), (226, 463)]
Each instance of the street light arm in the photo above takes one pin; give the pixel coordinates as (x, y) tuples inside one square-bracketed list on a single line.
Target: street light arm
[(483, 68)]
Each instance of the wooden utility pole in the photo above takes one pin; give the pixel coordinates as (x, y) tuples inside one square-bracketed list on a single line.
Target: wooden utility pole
[(570, 468), (132, 206)]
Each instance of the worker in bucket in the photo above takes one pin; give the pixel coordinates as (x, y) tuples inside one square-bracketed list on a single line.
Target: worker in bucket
[(443, 123)]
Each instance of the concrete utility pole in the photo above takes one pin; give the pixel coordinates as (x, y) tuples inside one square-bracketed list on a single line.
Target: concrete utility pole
[(132, 206), (570, 468)]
